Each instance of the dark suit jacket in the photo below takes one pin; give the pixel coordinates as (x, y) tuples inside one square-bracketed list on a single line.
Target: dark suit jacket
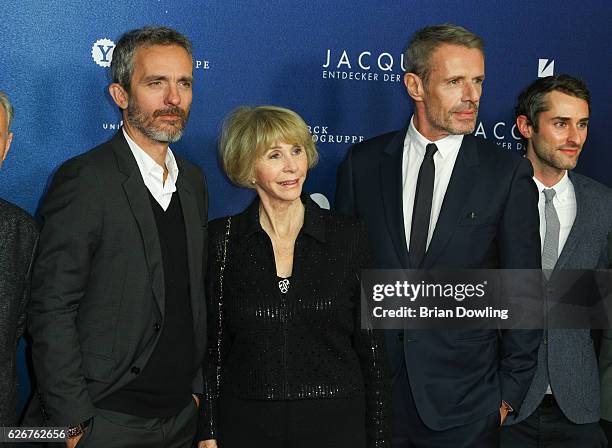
[(98, 280), (489, 219), (18, 236)]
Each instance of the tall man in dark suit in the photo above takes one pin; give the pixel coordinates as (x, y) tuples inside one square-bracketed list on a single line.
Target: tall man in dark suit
[(434, 197), (18, 236), (561, 408), (117, 315)]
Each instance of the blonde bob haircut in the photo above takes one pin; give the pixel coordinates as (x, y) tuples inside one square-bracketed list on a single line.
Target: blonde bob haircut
[(248, 132)]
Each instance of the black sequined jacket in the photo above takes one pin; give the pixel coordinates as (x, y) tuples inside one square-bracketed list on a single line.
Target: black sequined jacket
[(18, 237), (305, 344)]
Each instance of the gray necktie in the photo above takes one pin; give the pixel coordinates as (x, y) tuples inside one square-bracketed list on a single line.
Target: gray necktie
[(550, 248)]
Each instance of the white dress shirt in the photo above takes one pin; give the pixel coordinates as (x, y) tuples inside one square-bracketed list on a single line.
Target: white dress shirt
[(153, 174), (444, 162), (565, 204)]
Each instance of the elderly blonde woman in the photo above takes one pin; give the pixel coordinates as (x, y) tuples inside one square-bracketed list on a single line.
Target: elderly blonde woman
[(289, 365)]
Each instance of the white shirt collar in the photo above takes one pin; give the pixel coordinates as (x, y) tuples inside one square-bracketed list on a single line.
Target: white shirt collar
[(445, 145), (153, 174), (560, 187), (148, 166)]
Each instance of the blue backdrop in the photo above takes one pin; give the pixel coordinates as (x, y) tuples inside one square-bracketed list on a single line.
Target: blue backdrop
[(337, 63)]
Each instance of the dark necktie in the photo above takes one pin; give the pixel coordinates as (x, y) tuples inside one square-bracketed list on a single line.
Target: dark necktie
[(421, 211)]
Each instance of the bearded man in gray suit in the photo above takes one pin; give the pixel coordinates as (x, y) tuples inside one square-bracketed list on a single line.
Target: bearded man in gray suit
[(18, 236), (117, 314), (561, 408)]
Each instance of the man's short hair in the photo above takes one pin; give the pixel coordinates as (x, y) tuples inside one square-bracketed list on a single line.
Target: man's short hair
[(249, 131), (8, 108), (427, 40), (122, 64), (532, 100)]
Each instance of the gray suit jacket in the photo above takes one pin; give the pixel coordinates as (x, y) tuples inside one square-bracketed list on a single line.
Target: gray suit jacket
[(18, 236), (98, 280), (567, 358)]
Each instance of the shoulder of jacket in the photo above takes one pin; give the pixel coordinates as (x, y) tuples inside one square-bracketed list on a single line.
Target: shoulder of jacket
[(491, 154), (13, 213), (95, 159), (597, 187), (373, 144)]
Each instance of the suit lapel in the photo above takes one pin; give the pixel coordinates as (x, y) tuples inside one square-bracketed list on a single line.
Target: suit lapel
[(193, 231), (140, 204), (459, 188), (391, 187)]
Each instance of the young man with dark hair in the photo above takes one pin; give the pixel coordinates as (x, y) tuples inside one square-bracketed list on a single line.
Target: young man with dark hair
[(561, 408)]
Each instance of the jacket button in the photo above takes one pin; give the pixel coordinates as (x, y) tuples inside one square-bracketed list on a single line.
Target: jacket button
[(157, 326), (135, 370)]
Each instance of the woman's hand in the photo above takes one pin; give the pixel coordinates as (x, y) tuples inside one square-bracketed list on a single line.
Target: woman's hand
[(212, 443)]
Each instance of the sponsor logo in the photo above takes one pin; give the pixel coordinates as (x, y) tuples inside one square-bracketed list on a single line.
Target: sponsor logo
[(112, 126), (201, 64), (102, 52), (505, 136), (546, 67), (365, 65), (322, 134), (102, 55)]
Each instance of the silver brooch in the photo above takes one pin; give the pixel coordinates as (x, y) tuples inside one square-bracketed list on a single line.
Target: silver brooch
[(283, 285)]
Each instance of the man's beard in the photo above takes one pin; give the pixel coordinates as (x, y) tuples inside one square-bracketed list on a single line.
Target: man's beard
[(145, 123), (551, 156), (446, 124)]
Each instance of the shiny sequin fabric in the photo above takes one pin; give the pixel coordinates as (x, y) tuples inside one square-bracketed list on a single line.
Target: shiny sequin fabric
[(304, 344)]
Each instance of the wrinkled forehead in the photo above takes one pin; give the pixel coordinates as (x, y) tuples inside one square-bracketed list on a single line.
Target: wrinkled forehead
[(168, 57), (450, 56)]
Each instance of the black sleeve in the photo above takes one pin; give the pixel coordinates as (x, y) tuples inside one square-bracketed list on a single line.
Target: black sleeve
[(520, 249), (218, 341), (345, 197), (25, 296), (72, 222), (369, 345)]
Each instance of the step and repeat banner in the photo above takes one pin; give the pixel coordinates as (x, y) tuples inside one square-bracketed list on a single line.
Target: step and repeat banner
[(338, 64)]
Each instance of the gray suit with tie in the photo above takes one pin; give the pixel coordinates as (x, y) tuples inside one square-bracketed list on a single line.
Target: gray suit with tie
[(567, 359)]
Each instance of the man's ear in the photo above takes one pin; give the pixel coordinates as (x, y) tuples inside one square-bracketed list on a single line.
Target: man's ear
[(119, 95), (5, 150), (414, 86), (524, 126)]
